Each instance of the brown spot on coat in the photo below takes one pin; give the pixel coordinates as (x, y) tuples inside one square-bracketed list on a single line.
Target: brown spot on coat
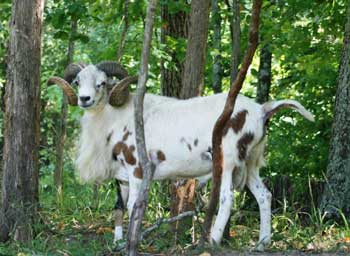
[(183, 140), (195, 142), (161, 156), (117, 149), (129, 157), (121, 147), (236, 123), (189, 147), (126, 135), (138, 172), (109, 137), (242, 145)]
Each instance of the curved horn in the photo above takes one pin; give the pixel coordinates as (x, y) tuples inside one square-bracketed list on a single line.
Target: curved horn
[(120, 92), (112, 68), (71, 71), (67, 89)]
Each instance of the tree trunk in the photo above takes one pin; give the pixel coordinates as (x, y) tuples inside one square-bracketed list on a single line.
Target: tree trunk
[(2, 110), (192, 83), (174, 26), (196, 49), (62, 122), (264, 79), (337, 189), (217, 70), (20, 181), (146, 165), (235, 28), (125, 30)]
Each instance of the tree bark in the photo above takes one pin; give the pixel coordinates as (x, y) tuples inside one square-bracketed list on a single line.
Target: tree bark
[(146, 165), (217, 69), (235, 28), (62, 122), (264, 79), (196, 49), (336, 195), (192, 83), (225, 115), (20, 181), (125, 30), (174, 26)]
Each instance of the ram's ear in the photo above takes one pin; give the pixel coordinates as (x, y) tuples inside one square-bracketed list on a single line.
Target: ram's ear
[(120, 92), (67, 89)]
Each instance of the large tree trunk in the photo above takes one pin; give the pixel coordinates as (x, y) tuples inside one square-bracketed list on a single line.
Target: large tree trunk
[(3, 67), (192, 83), (20, 182), (264, 79), (196, 49), (175, 26), (337, 190), (217, 70), (62, 121)]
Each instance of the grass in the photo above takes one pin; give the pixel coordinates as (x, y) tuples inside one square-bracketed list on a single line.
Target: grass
[(79, 225)]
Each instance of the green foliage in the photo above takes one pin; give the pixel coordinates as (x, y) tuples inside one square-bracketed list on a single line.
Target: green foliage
[(305, 38)]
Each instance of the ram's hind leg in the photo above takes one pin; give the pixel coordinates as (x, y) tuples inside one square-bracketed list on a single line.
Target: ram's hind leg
[(225, 204), (119, 209), (263, 197)]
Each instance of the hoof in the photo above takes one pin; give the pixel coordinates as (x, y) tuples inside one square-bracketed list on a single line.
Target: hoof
[(261, 246)]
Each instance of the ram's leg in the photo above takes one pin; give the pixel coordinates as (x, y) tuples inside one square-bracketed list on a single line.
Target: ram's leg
[(226, 200), (119, 209), (134, 189), (263, 197)]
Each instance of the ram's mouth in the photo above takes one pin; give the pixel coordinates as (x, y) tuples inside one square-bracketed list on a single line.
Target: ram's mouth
[(86, 106)]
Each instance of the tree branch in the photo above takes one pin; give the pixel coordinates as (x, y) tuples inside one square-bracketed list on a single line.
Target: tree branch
[(146, 165), (161, 221), (225, 115)]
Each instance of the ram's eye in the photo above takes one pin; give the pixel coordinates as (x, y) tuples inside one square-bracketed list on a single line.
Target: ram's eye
[(76, 82), (100, 85)]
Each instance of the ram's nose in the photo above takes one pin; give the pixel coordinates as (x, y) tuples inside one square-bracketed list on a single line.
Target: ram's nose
[(84, 99)]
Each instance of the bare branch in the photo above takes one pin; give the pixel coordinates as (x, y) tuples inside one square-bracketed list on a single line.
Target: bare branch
[(146, 165), (161, 221)]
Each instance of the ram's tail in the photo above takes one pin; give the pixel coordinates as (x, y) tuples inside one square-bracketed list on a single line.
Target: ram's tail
[(270, 108)]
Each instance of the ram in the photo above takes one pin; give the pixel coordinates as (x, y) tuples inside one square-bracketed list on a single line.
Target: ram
[(178, 137)]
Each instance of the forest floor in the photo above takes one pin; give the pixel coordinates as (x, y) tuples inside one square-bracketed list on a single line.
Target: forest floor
[(80, 224)]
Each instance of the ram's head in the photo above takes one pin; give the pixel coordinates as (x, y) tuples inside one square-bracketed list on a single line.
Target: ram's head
[(95, 84)]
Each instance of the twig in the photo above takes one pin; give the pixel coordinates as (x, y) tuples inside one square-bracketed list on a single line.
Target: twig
[(157, 224), (161, 221)]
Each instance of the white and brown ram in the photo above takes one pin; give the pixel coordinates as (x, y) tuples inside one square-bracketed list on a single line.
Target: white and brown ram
[(178, 137)]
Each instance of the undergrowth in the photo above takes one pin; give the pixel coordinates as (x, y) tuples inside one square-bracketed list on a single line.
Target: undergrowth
[(81, 223)]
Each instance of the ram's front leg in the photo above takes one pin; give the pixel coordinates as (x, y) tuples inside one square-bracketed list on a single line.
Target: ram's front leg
[(119, 209), (135, 180)]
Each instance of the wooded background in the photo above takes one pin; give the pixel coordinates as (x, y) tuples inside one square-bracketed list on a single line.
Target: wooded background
[(197, 48)]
